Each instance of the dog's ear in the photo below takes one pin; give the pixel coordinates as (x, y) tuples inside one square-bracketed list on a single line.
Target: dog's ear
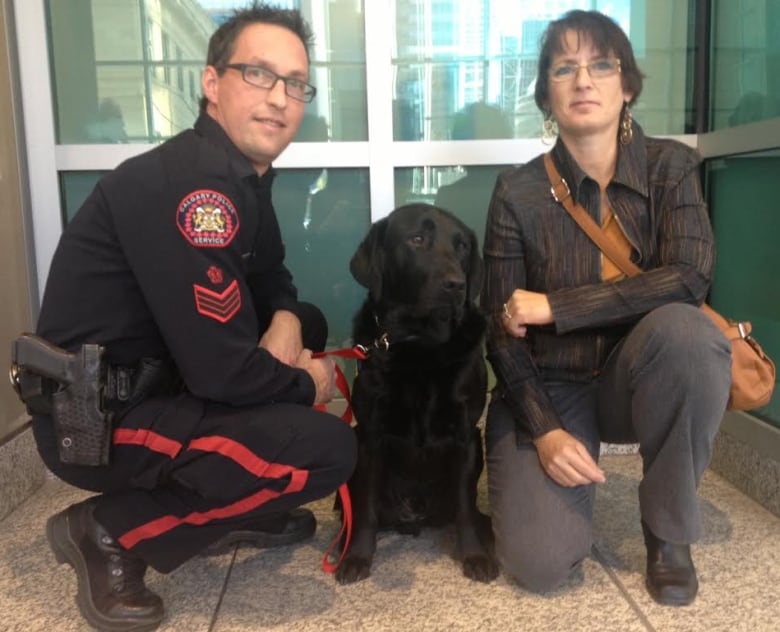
[(367, 264), (476, 268)]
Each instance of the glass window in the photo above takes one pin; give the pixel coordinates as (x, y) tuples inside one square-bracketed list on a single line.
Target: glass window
[(743, 201), (119, 67), (464, 191), (745, 62), (75, 187), (324, 214), (451, 54)]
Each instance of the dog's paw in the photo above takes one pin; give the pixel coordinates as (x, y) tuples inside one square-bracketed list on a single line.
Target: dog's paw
[(353, 569), (481, 568)]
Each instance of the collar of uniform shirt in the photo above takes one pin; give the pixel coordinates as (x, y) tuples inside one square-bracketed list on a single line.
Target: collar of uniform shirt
[(208, 127)]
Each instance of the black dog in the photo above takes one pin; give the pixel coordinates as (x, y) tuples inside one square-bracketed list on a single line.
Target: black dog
[(420, 393)]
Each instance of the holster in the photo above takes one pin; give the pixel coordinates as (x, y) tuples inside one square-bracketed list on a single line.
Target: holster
[(82, 393), (82, 424)]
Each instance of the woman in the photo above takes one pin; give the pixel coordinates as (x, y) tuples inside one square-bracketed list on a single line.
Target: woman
[(583, 354)]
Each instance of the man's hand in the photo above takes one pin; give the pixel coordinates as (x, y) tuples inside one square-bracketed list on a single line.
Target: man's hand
[(525, 308), (283, 339), (322, 371), (566, 460)]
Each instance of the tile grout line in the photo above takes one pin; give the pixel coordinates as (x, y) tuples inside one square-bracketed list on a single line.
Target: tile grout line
[(616, 580), (222, 592)]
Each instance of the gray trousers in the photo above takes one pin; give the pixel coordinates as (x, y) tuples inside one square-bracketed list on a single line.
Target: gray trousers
[(665, 387)]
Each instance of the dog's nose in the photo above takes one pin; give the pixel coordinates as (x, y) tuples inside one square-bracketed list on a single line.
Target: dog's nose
[(454, 284)]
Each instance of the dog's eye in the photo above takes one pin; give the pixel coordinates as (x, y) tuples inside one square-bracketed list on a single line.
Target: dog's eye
[(461, 247), (417, 240)]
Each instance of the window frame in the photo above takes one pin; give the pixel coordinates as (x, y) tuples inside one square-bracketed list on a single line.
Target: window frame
[(380, 154)]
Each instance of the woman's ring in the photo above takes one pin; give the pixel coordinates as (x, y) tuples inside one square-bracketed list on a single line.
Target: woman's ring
[(507, 315)]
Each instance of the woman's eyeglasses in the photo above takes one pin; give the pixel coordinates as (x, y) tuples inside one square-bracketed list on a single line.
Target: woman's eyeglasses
[(597, 69)]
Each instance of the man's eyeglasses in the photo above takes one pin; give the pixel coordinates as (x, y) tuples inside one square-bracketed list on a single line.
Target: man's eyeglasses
[(263, 78), (597, 69)]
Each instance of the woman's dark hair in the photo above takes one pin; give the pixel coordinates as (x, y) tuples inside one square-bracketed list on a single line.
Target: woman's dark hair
[(223, 41), (607, 37)]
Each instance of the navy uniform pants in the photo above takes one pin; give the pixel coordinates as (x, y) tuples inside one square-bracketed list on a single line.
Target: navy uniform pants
[(184, 472), (665, 387)]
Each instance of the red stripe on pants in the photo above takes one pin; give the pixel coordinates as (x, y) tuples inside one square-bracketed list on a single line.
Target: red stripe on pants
[(246, 459), (155, 442), (241, 455)]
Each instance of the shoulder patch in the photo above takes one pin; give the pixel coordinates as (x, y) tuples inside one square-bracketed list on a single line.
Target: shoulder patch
[(207, 219), (221, 306)]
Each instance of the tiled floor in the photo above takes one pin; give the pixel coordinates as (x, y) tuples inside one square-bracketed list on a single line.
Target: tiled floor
[(415, 584)]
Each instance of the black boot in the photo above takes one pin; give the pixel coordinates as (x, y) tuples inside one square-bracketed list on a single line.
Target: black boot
[(111, 591), (265, 533), (671, 577)]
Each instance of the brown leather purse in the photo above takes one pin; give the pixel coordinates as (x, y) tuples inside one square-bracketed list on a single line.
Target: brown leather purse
[(752, 371)]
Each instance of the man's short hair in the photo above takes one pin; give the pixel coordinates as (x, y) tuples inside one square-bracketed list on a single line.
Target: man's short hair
[(223, 41)]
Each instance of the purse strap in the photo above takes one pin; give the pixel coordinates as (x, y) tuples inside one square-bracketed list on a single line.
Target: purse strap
[(562, 194)]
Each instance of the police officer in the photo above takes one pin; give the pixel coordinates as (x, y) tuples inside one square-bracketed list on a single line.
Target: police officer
[(175, 265)]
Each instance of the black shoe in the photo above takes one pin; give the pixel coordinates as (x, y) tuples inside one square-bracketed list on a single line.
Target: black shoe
[(266, 533), (111, 591), (671, 577)]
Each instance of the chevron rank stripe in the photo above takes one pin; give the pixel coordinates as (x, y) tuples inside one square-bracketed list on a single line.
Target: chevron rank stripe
[(221, 306)]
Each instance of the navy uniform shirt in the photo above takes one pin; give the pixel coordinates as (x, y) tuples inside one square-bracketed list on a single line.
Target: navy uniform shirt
[(173, 255)]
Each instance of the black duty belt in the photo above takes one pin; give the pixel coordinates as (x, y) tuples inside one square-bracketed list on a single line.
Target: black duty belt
[(36, 391)]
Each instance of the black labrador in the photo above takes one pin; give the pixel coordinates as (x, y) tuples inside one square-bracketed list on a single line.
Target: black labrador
[(419, 395)]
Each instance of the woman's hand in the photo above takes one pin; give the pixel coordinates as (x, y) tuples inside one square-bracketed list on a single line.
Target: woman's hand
[(566, 460), (525, 308)]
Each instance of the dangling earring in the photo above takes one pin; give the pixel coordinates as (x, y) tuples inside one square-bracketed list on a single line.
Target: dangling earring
[(549, 130), (626, 130)]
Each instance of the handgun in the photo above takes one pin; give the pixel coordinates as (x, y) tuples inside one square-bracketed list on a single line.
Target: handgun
[(33, 353)]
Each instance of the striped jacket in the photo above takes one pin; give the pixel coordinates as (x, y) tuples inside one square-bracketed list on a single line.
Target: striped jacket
[(531, 242)]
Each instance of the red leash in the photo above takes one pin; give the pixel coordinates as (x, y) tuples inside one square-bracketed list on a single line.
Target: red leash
[(358, 353)]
